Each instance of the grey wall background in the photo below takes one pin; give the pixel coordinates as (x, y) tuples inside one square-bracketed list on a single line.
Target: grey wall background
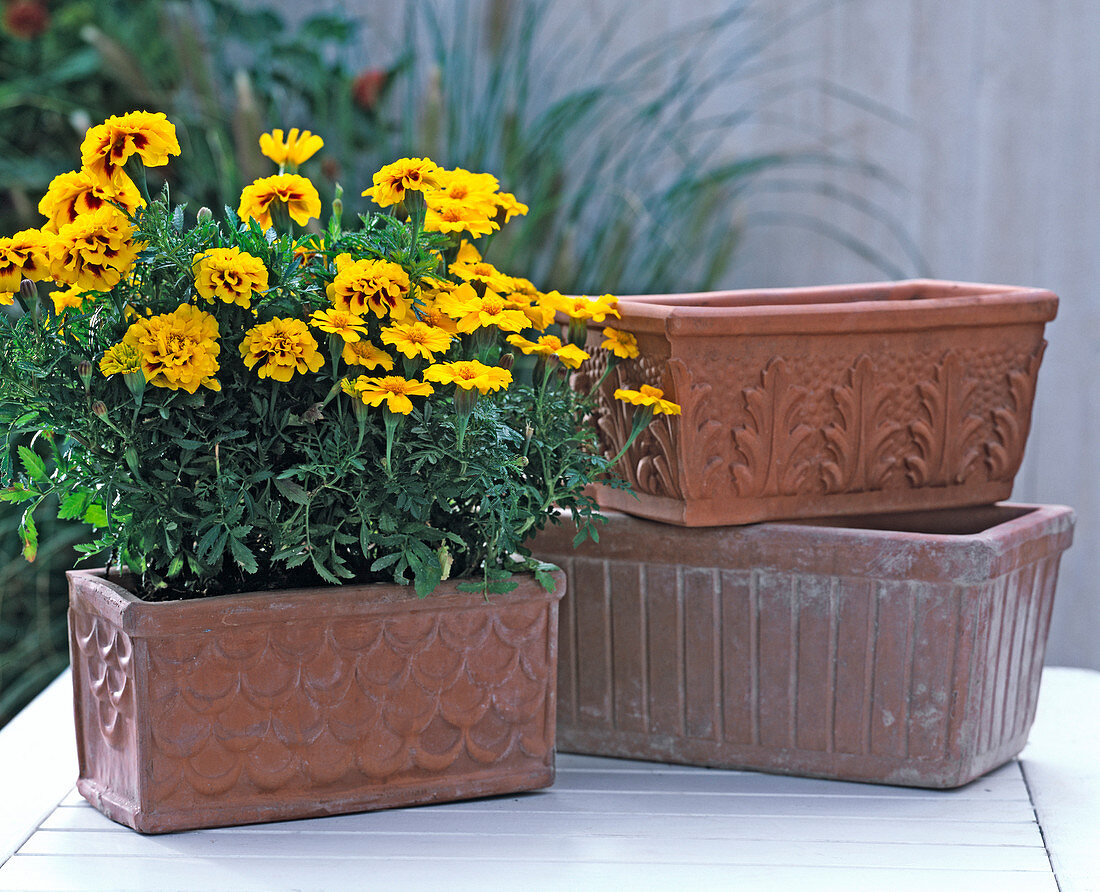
[(987, 113)]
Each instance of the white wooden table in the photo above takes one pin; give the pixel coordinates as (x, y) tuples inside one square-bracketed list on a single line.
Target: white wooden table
[(1032, 825)]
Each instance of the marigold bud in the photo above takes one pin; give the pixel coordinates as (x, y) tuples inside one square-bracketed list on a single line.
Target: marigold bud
[(84, 371), (28, 291), (204, 215), (99, 409), (507, 361)]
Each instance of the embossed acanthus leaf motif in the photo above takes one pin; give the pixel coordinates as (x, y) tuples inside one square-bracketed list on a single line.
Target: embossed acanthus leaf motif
[(1011, 423), (649, 465), (863, 444), (703, 453), (772, 442), (947, 437)]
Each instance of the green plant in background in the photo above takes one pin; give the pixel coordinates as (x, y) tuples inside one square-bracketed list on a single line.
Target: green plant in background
[(223, 72), (33, 601)]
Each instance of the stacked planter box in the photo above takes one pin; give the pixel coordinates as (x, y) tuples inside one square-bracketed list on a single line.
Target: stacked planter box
[(872, 645)]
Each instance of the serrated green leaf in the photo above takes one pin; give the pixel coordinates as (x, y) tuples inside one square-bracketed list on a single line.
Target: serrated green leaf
[(546, 579), (28, 532), (95, 516), (17, 494), (385, 561), (243, 555), (73, 506), (292, 491), (32, 464)]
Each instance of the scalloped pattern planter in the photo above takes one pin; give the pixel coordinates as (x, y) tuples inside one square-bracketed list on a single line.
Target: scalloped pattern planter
[(813, 402), (903, 649), (277, 705)]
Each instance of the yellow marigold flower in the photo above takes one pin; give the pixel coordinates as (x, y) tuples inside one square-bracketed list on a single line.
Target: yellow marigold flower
[(547, 345), (66, 298), (24, 255), (571, 356), (379, 286), (595, 309), (473, 312), (550, 345), (341, 322), (7, 298), (479, 271), (648, 396), (296, 149), (406, 175), (281, 347), (468, 374), (475, 189), (394, 389), (538, 314), (448, 215), (526, 287), (229, 274), (78, 192), (417, 339), (93, 252), (507, 202), (467, 253), (179, 350), (106, 147), (297, 193), (622, 343), (432, 314), (364, 353), (121, 359)]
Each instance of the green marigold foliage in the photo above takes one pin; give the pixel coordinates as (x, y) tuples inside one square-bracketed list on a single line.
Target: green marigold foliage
[(204, 475)]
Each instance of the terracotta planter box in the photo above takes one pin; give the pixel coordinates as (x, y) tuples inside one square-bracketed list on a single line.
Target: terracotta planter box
[(901, 650), (275, 705), (814, 402)]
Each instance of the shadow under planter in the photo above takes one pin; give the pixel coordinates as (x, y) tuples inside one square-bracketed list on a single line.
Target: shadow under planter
[(290, 704), (817, 402), (902, 649)]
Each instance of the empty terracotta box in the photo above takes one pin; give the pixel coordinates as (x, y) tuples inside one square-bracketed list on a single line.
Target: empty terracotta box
[(815, 402), (900, 649)]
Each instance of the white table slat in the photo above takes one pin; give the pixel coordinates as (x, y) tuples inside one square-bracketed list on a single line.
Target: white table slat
[(792, 829), (605, 822), (31, 874)]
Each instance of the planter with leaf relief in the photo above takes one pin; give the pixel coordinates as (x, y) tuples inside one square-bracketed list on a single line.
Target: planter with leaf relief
[(901, 649), (811, 402), (275, 705)]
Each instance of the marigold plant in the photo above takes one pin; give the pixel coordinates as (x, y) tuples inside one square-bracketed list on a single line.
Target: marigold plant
[(244, 404)]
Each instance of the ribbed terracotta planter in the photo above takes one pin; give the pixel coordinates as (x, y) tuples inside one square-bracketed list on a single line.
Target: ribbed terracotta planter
[(276, 705), (814, 402), (901, 650)]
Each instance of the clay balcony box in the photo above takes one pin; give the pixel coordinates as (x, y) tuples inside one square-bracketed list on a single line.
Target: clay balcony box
[(291, 704), (813, 402), (902, 649)]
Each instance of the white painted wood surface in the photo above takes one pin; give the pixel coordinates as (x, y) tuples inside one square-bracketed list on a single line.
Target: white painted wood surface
[(605, 822)]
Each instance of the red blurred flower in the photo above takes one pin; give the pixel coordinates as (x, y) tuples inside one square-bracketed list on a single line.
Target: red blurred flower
[(367, 87), (26, 19)]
